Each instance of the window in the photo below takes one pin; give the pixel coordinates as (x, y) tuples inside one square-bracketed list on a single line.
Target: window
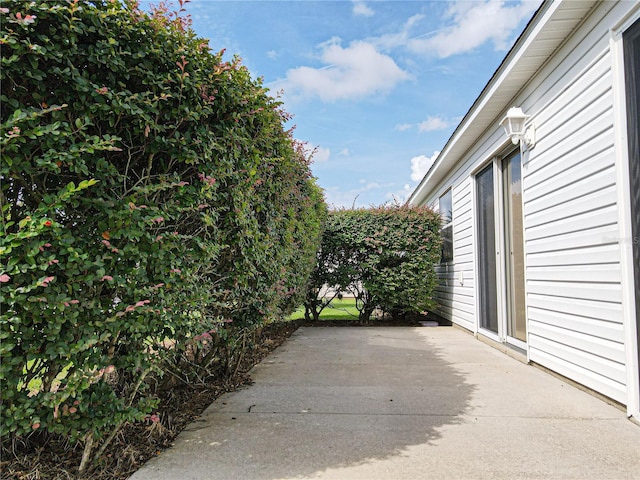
[(446, 212)]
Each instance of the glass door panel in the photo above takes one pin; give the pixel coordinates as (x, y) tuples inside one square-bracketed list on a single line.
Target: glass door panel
[(488, 298), (631, 42), (514, 243)]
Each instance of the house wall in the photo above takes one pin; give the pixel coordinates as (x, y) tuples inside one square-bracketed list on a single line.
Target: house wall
[(455, 293), (571, 217), (574, 294)]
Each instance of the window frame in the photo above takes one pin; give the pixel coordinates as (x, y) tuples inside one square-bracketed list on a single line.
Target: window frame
[(630, 54), (446, 230)]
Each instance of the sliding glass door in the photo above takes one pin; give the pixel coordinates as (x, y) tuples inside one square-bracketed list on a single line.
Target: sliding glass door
[(500, 252)]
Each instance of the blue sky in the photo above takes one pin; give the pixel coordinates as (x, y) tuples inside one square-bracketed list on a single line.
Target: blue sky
[(377, 87)]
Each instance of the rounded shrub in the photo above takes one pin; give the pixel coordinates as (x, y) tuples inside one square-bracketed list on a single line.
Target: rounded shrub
[(384, 255)]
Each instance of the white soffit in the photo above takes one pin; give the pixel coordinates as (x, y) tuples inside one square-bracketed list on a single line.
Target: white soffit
[(552, 24)]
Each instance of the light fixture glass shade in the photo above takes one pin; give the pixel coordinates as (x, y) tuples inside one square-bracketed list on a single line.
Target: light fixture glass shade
[(513, 124)]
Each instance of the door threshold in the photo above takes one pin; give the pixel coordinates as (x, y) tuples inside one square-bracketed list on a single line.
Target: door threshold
[(513, 351)]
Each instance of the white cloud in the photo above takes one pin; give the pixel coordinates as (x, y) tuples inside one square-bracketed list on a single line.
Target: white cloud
[(356, 71), (433, 123), (321, 154), (403, 127), (357, 197), (473, 24), (337, 198), (420, 165), (400, 196), (400, 39), (361, 9), (272, 54), (344, 152), (430, 124)]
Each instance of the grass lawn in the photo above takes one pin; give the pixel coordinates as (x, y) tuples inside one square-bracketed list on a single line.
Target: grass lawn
[(344, 309)]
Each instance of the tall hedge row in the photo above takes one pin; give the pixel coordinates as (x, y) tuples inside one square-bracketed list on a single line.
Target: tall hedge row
[(384, 255), (151, 197)]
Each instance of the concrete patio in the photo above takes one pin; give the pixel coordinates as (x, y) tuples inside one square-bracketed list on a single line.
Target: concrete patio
[(399, 403)]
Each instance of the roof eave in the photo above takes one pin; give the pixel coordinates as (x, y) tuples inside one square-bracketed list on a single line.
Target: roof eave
[(478, 120)]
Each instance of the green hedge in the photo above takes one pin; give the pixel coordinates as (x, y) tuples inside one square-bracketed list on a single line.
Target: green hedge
[(150, 195), (384, 255)]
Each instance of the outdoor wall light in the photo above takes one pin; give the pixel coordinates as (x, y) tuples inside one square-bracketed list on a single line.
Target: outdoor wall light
[(517, 131)]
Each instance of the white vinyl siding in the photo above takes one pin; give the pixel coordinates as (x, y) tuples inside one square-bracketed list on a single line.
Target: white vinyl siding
[(574, 294), (456, 301)]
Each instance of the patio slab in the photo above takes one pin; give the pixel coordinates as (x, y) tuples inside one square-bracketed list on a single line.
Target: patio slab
[(401, 403)]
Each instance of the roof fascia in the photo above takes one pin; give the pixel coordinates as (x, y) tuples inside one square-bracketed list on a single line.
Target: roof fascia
[(446, 159)]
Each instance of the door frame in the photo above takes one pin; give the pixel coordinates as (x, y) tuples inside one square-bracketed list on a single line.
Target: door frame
[(623, 183)]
